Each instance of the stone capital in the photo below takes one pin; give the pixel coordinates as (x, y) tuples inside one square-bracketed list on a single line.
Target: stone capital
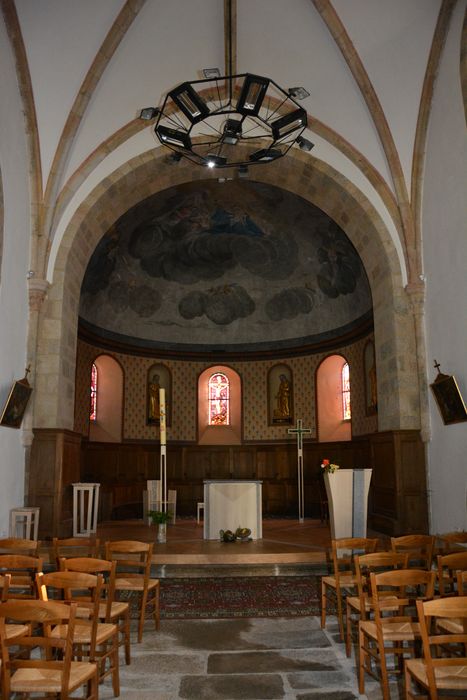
[(416, 292), (37, 289)]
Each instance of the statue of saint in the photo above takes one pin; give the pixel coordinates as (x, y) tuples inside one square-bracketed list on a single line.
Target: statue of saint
[(373, 387), (282, 410), (154, 407)]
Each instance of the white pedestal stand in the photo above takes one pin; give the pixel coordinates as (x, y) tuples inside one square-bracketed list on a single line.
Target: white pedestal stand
[(85, 509)]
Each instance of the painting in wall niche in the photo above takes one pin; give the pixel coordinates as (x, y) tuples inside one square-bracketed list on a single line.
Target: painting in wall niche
[(158, 377), (280, 395), (449, 399), (371, 386), (240, 266)]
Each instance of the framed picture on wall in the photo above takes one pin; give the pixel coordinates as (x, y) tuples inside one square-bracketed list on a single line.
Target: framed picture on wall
[(280, 395), (16, 404), (449, 399), (158, 377), (371, 387)]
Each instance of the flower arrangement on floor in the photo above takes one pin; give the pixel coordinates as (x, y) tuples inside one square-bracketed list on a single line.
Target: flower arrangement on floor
[(328, 467)]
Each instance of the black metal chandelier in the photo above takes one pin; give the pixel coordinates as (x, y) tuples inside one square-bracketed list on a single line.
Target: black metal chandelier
[(206, 121)]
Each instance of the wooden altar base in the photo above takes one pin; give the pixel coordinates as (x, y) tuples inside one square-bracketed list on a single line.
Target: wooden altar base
[(284, 542)]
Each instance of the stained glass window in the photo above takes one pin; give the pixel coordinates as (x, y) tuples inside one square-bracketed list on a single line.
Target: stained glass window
[(219, 397), (345, 375), (93, 409)]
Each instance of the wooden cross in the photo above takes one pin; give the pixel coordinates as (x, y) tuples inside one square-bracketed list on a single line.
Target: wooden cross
[(437, 365), (300, 431)]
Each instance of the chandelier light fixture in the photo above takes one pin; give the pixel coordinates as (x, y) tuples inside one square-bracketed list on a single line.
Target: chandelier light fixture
[(207, 120)]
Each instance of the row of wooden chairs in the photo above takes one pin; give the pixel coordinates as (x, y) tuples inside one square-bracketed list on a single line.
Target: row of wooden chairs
[(98, 583), (380, 591)]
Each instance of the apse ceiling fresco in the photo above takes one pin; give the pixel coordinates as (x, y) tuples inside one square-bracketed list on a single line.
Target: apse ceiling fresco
[(237, 265)]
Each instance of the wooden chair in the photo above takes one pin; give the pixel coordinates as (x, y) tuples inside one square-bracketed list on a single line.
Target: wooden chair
[(359, 607), (395, 627), (450, 542), (419, 548), (134, 575), (96, 641), (343, 579), (448, 565), (26, 676), (110, 610), (462, 583), (22, 570), (439, 669), (15, 545), (74, 547)]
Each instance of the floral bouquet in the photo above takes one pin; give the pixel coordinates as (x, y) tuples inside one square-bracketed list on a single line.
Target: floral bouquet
[(328, 467)]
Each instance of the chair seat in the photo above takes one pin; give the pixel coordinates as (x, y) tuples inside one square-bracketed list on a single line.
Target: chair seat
[(354, 602), (40, 680), (134, 584), (15, 631), (345, 580), (118, 607), (393, 632), (453, 625), (447, 677), (82, 633)]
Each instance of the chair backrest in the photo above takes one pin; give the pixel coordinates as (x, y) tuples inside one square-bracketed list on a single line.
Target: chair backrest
[(344, 551), (448, 565), (91, 565), (131, 556), (419, 547), (394, 593), (39, 617), (74, 587), (461, 583), (75, 547), (16, 545), (375, 562), (441, 647), (22, 569), (5, 586), (449, 542)]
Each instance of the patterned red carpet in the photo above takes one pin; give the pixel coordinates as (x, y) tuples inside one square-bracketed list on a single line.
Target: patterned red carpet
[(230, 597)]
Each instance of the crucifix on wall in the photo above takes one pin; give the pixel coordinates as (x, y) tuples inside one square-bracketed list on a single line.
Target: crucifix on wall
[(300, 431)]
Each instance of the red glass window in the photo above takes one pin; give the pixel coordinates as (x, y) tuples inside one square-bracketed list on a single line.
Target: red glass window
[(345, 376), (93, 388), (219, 400)]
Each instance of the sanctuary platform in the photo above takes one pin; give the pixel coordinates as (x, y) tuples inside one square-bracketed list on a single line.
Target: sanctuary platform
[(284, 542)]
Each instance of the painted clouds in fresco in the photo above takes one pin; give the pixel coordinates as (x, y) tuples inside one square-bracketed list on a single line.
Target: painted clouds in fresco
[(241, 262)]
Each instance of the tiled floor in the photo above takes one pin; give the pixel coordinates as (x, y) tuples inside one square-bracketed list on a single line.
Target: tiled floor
[(247, 659)]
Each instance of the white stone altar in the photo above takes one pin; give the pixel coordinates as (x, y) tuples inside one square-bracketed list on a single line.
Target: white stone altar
[(231, 504), (347, 492)]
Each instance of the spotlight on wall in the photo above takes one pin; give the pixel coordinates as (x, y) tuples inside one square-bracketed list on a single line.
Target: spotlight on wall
[(211, 73), (148, 113), (243, 171), (304, 144), (298, 93)]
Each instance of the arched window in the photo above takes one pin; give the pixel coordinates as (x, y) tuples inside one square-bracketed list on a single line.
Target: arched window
[(219, 400), (93, 388), (345, 379)]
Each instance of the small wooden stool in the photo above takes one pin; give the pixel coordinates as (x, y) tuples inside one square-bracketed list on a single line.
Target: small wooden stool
[(198, 511), (27, 520), (85, 508)]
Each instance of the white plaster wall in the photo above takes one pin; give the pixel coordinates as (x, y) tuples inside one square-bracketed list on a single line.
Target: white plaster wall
[(445, 260), (13, 289)]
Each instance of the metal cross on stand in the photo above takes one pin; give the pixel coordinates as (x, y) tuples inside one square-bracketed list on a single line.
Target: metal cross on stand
[(299, 431)]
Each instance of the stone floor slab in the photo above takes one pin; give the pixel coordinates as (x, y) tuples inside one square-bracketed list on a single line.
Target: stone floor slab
[(232, 687), (269, 662)]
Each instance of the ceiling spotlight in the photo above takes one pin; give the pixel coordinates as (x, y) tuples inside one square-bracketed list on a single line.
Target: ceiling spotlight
[(211, 73), (174, 137), (299, 93), (213, 161), (252, 94), (288, 123), (232, 131), (264, 155), (304, 144), (148, 113)]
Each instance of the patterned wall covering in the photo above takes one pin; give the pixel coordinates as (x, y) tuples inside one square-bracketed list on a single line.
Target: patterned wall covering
[(254, 388)]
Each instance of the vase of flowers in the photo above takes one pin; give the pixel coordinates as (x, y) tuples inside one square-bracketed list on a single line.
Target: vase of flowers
[(328, 467), (160, 518)]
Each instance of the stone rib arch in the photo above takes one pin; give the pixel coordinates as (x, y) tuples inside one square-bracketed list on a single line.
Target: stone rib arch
[(313, 180)]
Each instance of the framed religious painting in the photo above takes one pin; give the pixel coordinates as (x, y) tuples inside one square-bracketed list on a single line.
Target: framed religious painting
[(16, 404), (449, 399), (371, 388), (158, 377), (280, 395)]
